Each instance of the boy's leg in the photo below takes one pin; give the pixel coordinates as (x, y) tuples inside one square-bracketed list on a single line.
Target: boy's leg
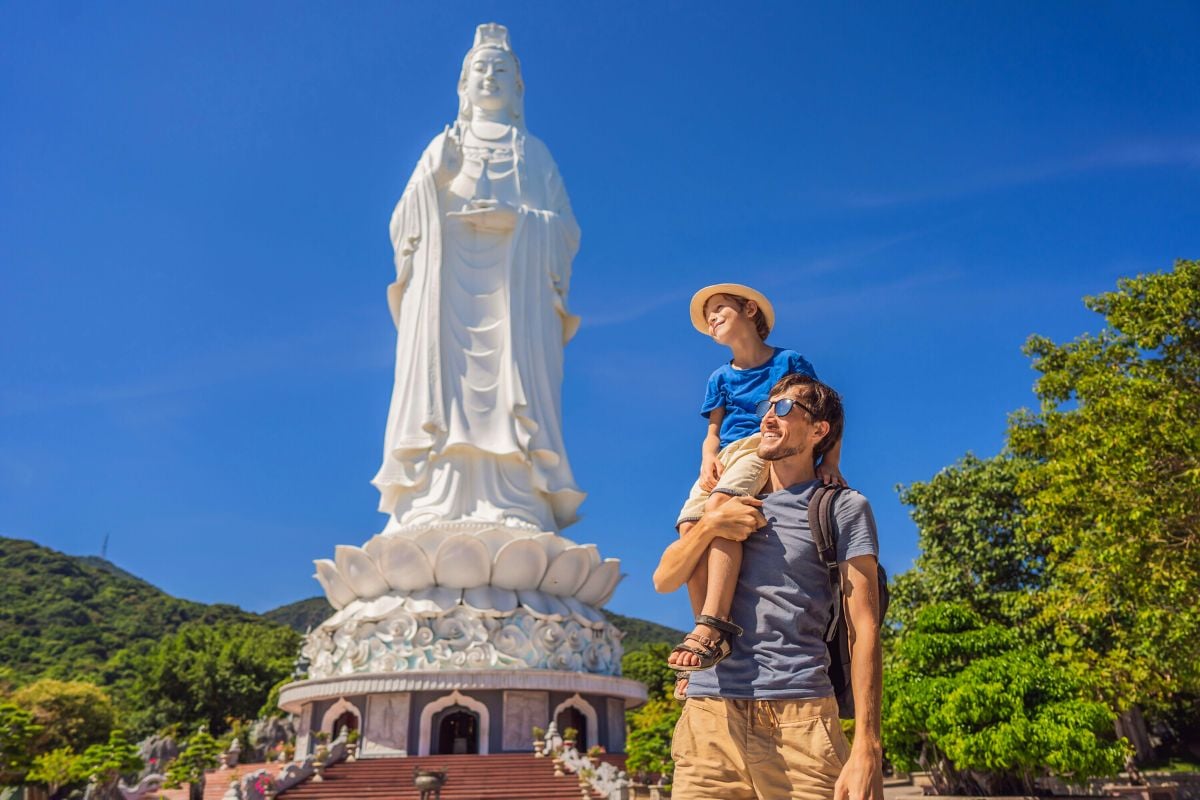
[(707, 589), (712, 583)]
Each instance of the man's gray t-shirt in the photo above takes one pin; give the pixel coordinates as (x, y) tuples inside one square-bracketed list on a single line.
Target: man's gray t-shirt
[(784, 601)]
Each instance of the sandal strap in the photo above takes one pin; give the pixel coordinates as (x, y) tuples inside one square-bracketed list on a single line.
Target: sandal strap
[(703, 655), (723, 625)]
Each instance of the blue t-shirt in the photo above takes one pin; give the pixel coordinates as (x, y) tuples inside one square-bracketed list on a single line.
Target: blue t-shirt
[(784, 601), (738, 391)]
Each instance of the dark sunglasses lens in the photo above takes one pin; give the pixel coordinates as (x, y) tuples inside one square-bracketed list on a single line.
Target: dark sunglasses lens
[(782, 407)]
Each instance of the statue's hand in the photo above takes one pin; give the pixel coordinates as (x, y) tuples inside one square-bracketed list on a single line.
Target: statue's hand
[(488, 215), (447, 161)]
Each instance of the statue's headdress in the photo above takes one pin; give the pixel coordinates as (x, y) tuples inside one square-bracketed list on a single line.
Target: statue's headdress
[(491, 35)]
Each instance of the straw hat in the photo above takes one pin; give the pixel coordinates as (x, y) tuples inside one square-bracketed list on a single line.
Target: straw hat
[(701, 297)]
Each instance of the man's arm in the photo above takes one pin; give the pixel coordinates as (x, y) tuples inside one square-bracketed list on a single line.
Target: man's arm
[(734, 520), (862, 777)]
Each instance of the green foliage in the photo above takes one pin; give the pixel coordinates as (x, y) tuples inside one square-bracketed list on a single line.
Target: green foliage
[(986, 714), (973, 549), (17, 734), (57, 768), (109, 761), (198, 754), (210, 674), (302, 615), (1112, 496), (639, 632), (71, 714), (63, 617), (270, 708), (649, 665), (651, 726)]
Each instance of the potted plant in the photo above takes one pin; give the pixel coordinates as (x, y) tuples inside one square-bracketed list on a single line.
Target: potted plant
[(321, 756), (569, 735), (351, 745), (594, 752), (539, 741)]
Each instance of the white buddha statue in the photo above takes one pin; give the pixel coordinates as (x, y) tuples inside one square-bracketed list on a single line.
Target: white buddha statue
[(484, 237)]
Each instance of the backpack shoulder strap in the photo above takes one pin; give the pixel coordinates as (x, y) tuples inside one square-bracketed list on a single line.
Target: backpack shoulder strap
[(823, 526)]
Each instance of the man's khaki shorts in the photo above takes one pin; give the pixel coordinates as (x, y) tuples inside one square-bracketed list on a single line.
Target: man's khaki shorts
[(757, 749), (744, 474)]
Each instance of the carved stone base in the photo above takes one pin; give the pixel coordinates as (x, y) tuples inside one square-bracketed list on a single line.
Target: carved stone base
[(381, 637)]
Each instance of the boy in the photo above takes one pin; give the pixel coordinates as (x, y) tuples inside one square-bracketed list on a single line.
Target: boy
[(739, 318)]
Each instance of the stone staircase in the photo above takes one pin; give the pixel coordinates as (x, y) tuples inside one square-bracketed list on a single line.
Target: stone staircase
[(505, 776)]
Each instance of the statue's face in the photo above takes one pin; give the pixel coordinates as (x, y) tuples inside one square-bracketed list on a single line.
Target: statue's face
[(492, 80)]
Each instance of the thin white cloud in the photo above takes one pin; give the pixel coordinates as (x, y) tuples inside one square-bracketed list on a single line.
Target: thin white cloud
[(763, 275), (1128, 155)]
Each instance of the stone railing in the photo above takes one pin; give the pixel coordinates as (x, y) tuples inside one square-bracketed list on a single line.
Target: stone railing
[(147, 787), (261, 784), (602, 778)]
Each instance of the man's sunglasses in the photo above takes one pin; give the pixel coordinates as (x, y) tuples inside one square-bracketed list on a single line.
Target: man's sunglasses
[(783, 407)]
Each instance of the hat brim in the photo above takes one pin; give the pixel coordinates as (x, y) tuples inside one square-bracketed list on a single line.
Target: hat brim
[(701, 297)]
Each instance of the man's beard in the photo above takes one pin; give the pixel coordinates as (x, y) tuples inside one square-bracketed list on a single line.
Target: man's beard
[(771, 453)]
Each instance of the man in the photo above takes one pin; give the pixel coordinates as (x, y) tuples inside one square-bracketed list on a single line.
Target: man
[(763, 724)]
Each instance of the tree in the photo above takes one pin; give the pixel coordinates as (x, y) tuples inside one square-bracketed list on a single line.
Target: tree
[(108, 762), (56, 769), (1112, 495), (71, 714), (648, 664), (200, 753), (17, 734), (973, 547), (209, 674), (651, 727), (986, 713)]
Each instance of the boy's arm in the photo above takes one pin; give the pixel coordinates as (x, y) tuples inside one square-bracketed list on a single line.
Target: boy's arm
[(734, 520), (862, 776), (710, 467)]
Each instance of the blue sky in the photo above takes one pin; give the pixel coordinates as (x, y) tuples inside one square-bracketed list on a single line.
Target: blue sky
[(194, 200)]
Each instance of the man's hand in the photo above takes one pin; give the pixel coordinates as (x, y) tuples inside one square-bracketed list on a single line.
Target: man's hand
[(710, 472), (735, 519), (861, 778)]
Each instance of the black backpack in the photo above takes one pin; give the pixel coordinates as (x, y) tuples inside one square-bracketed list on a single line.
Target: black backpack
[(837, 637)]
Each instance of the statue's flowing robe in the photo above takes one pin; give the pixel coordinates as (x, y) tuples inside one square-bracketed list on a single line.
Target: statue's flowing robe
[(445, 458)]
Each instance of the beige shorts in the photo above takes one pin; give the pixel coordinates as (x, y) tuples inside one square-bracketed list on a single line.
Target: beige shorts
[(745, 474), (757, 749)]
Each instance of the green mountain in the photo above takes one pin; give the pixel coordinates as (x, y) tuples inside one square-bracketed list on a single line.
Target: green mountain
[(305, 614), (302, 614), (64, 616)]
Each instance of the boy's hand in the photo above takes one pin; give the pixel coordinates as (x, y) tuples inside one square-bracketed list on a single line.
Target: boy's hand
[(710, 473), (830, 475)]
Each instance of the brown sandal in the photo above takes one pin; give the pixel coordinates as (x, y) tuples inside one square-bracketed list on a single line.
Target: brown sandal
[(711, 651)]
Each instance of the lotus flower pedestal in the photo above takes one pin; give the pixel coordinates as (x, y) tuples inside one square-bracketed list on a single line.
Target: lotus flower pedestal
[(498, 624)]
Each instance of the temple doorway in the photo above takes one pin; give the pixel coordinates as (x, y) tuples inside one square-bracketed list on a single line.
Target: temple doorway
[(571, 717), (457, 732), (346, 722)]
